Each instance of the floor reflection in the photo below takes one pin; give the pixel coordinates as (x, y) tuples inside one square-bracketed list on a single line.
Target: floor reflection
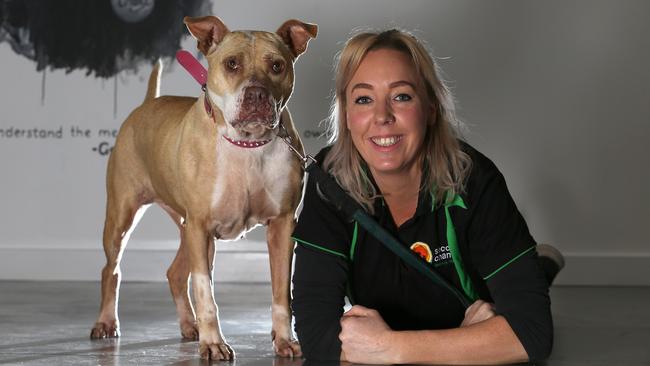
[(48, 323)]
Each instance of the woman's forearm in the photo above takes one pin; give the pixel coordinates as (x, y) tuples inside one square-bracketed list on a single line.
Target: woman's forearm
[(489, 342)]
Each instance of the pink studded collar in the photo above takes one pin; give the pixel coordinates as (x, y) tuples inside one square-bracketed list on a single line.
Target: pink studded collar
[(246, 143)]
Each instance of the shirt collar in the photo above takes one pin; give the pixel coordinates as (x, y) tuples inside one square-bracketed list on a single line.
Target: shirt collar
[(426, 199)]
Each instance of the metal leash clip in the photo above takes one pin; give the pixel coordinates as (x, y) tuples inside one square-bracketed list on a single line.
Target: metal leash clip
[(287, 140)]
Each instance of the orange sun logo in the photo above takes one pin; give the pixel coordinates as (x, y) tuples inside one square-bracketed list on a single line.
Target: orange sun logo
[(422, 249)]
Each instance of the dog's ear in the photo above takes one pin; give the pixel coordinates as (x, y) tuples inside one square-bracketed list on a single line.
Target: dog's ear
[(296, 35), (208, 31)]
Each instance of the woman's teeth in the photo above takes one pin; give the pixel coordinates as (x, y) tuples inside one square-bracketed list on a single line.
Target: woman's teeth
[(386, 141)]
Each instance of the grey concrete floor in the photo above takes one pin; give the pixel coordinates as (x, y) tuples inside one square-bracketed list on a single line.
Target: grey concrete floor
[(49, 323)]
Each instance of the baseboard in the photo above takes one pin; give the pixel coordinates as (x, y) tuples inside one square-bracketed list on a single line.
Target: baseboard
[(247, 261), (605, 269)]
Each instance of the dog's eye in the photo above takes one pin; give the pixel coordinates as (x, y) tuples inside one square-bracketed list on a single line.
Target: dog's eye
[(277, 67), (232, 64)]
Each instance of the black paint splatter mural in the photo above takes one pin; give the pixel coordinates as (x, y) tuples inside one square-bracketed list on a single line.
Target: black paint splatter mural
[(102, 37)]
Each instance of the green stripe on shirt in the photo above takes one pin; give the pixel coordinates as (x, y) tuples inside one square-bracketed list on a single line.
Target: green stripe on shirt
[(354, 241), (319, 247), (508, 263)]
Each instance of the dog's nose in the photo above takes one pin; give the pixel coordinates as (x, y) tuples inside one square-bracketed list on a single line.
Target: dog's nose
[(255, 95), (256, 106)]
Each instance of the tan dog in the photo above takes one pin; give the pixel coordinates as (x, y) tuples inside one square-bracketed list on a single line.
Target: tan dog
[(215, 165)]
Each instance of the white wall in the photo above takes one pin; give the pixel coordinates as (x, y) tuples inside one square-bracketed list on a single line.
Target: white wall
[(557, 93)]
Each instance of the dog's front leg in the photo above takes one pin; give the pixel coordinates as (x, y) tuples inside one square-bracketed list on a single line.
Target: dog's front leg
[(212, 344), (280, 254)]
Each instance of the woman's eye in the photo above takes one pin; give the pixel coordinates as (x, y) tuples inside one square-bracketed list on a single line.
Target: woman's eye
[(362, 100), (403, 97)]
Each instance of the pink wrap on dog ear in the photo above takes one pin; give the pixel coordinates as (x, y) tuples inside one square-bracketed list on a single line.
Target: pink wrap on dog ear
[(297, 35), (208, 31)]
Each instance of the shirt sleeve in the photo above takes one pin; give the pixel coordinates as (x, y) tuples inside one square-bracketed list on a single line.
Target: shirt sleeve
[(503, 252), (320, 276), (319, 282), (520, 295)]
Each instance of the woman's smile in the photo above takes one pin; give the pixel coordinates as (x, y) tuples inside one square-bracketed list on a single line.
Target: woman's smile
[(386, 141)]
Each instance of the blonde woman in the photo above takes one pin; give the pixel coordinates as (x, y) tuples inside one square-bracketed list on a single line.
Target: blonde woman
[(396, 152)]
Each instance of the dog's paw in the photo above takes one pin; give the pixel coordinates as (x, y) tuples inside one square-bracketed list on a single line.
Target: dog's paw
[(216, 351), (189, 331), (286, 348), (103, 330)]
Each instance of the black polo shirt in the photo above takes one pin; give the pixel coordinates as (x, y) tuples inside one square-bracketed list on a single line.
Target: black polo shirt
[(469, 239)]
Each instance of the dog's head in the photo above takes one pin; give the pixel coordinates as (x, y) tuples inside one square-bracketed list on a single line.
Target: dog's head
[(250, 73)]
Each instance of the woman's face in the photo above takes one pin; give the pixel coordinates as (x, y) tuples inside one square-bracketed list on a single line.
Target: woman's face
[(385, 113)]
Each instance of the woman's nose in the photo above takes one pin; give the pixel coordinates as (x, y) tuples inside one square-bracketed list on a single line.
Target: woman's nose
[(384, 113)]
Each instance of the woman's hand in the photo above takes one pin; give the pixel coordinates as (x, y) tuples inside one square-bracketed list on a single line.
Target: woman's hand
[(478, 312), (365, 337)]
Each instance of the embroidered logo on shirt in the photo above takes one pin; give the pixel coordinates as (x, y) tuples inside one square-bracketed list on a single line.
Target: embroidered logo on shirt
[(442, 255), (423, 250)]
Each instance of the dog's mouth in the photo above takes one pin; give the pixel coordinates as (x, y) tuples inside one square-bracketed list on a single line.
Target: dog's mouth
[(246, 130), (255, 125), (250, 134), (256, 114)]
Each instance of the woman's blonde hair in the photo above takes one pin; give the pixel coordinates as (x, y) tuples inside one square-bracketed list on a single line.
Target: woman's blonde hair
[(445, 165)]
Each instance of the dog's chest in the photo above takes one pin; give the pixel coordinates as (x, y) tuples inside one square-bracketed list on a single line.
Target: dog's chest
[(252, 186)]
